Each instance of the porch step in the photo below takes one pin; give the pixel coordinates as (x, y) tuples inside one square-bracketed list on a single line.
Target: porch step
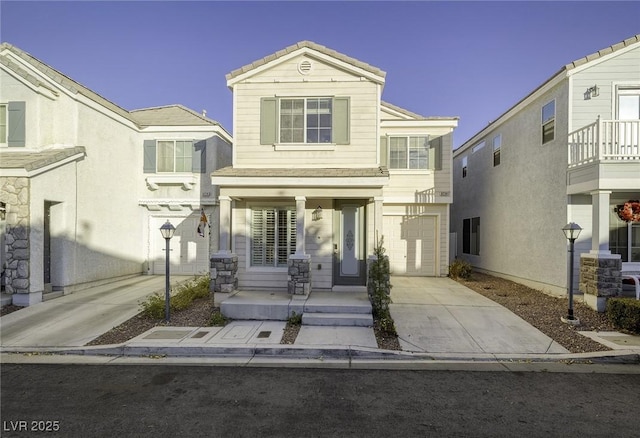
[(338, 319)]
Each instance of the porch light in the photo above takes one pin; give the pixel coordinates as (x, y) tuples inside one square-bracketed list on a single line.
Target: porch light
[(592, 92), (317, 214), (571, 232), (167, 230)]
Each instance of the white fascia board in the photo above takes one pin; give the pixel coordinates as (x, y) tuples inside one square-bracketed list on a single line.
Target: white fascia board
[(212, 129), (542, 89), (600, 59), (438, 123), (239, 181), (356, 71), (45, 91), (78, 97)]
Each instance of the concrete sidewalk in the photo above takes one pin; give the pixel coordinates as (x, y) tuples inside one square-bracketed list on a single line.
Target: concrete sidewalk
[(436, 319)]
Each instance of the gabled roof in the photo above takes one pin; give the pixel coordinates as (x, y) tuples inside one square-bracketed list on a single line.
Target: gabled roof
[(171, 115), (561, 74), (63, 80), (301, 46)]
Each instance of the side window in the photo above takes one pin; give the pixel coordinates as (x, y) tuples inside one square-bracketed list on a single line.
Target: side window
[(548, 122), (471, 236), (497, 145), (464, 167)]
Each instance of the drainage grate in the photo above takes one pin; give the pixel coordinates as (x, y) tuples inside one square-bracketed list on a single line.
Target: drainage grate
[(199, 335), (264, 334)]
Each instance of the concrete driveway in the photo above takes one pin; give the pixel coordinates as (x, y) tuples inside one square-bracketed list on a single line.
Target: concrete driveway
[(75, 319), (439, 315)]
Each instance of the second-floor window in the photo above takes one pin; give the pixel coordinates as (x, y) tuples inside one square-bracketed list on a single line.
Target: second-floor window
[(464, 167), (175, 155), (497, 145), (3, 123), (548, 121), (306, 120), (409, 152)]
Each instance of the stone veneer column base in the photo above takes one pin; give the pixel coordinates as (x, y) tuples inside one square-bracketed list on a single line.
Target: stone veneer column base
[(299, 278), (600, 278), (224, 272)]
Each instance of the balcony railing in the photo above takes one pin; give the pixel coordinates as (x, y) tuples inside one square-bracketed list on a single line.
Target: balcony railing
[(605, 140)]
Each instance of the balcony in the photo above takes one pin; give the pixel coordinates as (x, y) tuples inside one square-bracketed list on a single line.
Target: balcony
[(604, 155)]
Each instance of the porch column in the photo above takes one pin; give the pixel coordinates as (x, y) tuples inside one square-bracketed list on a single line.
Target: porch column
[(225, 224), (300, 231), (600, 217), (377, 214), (223, 264)]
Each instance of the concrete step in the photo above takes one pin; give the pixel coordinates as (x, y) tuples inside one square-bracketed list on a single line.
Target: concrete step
[(344, 307), (338, 319)]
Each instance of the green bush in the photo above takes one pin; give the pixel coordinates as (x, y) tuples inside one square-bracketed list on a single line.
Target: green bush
[(460, 269), (624, 313), (295, 318), (181, 297), (218, 319)]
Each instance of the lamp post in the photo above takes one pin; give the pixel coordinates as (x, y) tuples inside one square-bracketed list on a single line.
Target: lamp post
[(571, 232), (167, 230)]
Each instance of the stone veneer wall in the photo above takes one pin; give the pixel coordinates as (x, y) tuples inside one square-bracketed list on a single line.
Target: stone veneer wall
[(299, 279), (14, 192), (600, 278), (224, 272)]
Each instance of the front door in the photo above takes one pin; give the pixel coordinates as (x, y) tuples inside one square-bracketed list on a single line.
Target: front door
[(349, 246)]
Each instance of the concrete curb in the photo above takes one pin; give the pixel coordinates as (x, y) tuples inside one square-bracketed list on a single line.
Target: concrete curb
[(288, 353)]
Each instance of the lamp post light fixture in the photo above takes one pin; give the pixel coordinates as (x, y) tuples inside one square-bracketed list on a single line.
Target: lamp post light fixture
[(571, 232), (167, 230)]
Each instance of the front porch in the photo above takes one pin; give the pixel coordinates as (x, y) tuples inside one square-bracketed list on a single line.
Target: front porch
[(344, 308)]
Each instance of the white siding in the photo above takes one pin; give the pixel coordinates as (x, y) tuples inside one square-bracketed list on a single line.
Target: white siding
[(364, 98)]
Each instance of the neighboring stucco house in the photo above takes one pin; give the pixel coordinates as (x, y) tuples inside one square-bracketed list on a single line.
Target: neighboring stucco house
[(567, 152), (85, 184), (321, 168)]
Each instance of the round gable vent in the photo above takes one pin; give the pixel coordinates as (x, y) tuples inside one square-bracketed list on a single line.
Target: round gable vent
[(305, 67)]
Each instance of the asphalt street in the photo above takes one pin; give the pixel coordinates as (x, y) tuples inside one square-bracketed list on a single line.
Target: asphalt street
[(193, 401)]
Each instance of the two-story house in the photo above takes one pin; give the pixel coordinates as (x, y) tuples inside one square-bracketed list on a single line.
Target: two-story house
[(322, 168), (567, 152), (85, 184)]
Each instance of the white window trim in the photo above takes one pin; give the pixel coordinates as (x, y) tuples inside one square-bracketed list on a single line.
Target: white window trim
[(298, 145), (173, 172), (407, 170), (544, 122)]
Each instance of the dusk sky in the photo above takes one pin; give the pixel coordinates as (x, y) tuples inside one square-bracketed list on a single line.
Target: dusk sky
[(473, 60)]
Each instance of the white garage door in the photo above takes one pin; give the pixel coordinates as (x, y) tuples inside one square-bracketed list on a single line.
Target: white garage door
[(410, 242), (189, 251)]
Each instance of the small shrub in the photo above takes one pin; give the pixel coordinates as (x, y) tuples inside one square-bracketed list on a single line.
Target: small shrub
[(295, 319), (181, 298), (460, 269), (153, 307), (624, 313), (218, 319)]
